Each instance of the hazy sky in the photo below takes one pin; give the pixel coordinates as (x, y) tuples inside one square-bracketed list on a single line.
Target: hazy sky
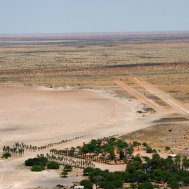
[(78, 16)]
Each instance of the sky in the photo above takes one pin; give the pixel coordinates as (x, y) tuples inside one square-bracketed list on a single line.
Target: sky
[(92, 16)]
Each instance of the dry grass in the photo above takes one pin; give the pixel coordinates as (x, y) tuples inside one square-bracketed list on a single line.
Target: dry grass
[(176, 84), (96, 61), (164, 134), (92, 61)]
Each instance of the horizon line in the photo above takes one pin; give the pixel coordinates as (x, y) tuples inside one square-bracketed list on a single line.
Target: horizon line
[(98, 33)]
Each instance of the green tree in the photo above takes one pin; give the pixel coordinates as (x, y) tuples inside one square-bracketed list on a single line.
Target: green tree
[(133, 186), (185, 163), (53, 165), (169, 164), (68, 168), (159, 175), (149, 149), (118, 183), (109, 185), (87, 184), (173, 184), (121, 155), (185, 179), (178, 161), (87, 171), (94, 174), (145, 186), (140, 176)]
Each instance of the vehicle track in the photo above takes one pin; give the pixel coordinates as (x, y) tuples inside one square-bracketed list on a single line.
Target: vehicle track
[(139, 96), (175, 104)]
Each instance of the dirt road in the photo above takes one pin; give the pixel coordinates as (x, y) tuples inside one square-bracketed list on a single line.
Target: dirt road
[(139, 96), (175, 104)]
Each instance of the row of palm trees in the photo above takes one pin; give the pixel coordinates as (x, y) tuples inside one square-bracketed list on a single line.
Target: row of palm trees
[(74, 162), (19, 149), (14, 151), (90, 156)]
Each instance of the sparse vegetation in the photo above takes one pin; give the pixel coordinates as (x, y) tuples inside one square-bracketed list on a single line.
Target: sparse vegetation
[(64, 174), (167, 148), (157, 60)]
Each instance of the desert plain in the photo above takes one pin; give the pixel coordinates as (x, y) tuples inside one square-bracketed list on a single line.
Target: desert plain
[(58, 87)]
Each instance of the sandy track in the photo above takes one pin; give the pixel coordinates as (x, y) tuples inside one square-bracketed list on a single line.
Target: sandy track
[(175, 104), (139, 96)]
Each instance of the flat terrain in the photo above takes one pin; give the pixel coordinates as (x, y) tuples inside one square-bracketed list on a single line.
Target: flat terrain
[(171, 130), (61, 60), (96, 60), (39, 116), (56, 87)]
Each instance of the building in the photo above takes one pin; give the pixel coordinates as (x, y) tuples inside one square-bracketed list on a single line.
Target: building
[(78, 187)]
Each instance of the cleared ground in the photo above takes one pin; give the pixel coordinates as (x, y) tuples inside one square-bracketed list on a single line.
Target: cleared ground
[(39, 115)]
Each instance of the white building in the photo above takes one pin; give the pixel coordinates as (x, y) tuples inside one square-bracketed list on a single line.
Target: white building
[(78, 187)]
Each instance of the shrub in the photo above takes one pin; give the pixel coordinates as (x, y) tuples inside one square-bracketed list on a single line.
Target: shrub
[(135, 143), (68, 168), (154, 151), (167, 148), (149, 149), (64, 174), (53, 165), (37, 168), (29, 162), (43, 160), (6, 155), (36, 161), (144, 144)]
